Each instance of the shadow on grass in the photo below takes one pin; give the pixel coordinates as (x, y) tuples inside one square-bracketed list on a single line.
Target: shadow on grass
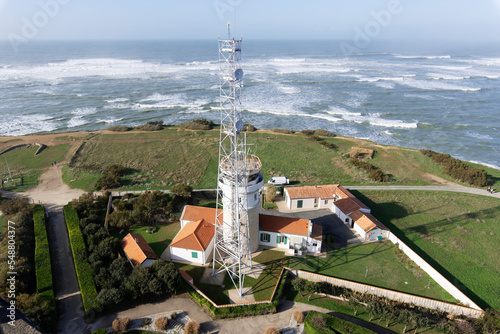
[(386, 212)]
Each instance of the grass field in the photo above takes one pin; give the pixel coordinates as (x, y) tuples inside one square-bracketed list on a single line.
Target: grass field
[(164, 158), (456, 233), (22, 161), (158, 240)]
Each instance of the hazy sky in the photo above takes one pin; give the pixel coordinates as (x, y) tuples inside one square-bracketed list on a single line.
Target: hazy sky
[(454, 20)]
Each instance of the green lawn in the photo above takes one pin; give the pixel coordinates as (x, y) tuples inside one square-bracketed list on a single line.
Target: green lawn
[(375, 264), (159, 240), (22, 161), (456, 233)]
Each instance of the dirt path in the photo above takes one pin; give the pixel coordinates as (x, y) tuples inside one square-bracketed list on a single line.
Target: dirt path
[(51, 190)]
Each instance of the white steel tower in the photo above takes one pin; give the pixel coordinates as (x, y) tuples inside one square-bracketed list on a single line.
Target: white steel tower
[(239, 177)]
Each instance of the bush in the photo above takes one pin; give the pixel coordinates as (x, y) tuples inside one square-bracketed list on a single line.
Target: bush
[(174, 315), (82, 266), (307, 132), (182, 190), (271, 193), (458, 169), (324, 133), (374, 173), (198, 124), (111, 178), (285, 131), (272, 330), (119, 128), (150, 126), (100, 331), (121, 325), (298, 316), (249, 128), (161, 323), (192, 327)]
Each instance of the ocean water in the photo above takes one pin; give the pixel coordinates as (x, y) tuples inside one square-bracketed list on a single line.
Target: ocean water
[(447, 101)]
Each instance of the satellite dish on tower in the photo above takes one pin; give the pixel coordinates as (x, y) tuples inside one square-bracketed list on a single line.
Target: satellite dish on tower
[(239, 125), (238, 74)]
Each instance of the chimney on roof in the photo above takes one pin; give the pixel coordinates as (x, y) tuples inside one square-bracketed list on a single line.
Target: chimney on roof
[(136, 239)]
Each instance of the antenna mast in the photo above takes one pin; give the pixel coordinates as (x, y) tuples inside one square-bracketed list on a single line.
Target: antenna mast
[(232, 248)]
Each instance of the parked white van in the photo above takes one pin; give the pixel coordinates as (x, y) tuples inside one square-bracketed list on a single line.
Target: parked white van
[(279, 180)]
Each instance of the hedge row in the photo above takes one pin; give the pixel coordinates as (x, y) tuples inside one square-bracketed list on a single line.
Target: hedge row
[(82, 266), (458, 169), (314, 135), (374, 173), (44, 280), (321, 323), (43, 268), (240, 311)]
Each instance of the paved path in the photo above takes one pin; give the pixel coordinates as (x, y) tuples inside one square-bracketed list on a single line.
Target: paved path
[(457, 189)]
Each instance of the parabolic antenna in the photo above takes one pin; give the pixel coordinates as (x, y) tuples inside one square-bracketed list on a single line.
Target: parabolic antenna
[(238, 74), (239, 125)]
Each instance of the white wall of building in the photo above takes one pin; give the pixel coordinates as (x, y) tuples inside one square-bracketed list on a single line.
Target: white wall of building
[(375, 233), (307, 203), (182, 254), (360, 231)]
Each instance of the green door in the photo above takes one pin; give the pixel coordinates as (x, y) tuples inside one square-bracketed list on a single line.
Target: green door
[(299, 203)]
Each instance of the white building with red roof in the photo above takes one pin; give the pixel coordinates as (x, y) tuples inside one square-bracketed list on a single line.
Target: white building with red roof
[(293, 234), (194, 242), (340, 201), (137, 250)]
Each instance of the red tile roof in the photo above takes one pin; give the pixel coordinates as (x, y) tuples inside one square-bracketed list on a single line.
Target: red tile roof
[(283, 224), (194, 213), (195, 235), (346, 205), (324, 192), (317, 232), (366, 221), (137, 249), (331, 191), (344, 193)]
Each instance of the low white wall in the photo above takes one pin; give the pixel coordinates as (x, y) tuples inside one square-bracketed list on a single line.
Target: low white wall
[(390, 294), (443, 282)]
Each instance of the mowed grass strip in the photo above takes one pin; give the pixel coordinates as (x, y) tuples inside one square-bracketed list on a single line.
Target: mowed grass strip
[(456, 233)]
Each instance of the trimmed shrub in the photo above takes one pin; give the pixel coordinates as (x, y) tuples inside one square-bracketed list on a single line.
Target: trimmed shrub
[(119, 128), (272, 330), (161, 323), (192, 327), (121, 325), (298, 316), (174, 315), (42, 254), (82, 266)]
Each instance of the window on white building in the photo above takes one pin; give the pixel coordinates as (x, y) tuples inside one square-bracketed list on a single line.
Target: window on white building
[(194, 255), (281, 239), (265, 237)]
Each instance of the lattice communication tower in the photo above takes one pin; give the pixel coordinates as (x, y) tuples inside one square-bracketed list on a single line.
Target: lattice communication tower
[(232, 251)]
